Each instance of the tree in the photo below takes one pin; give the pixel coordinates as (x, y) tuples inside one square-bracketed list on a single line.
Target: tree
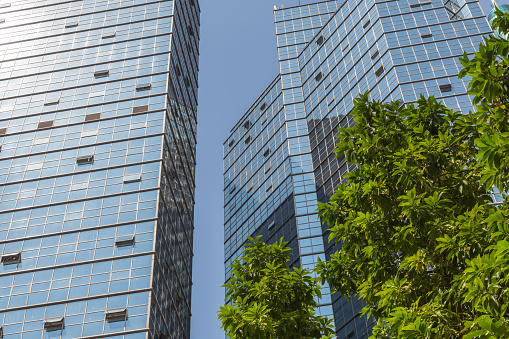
[(265, 299), (423, 245)]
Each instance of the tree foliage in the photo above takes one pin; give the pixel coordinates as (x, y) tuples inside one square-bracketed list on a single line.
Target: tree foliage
[(423, 245), (268, 300)]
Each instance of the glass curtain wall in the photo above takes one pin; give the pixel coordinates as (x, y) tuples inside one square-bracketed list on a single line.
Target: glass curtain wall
[(98, 103), (329, 52)]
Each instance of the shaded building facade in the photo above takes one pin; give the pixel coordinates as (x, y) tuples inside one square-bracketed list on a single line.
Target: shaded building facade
[(97, 163), (281, 150)]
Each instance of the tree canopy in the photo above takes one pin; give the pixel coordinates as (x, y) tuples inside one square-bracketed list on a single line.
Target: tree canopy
[(423, 243), (266, 299)]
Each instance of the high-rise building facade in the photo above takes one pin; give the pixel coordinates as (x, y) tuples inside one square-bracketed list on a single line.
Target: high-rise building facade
[(98, 104), (279, 160)]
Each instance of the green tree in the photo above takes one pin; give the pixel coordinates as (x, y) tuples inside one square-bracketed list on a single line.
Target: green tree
[(423, 245), (268, 300)]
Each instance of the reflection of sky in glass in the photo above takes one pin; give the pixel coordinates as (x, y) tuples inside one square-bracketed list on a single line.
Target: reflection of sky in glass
[(96, 171), (329, 53)]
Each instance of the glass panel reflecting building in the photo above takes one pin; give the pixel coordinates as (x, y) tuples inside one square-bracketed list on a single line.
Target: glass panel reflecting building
[(279, 160), (97, 163)]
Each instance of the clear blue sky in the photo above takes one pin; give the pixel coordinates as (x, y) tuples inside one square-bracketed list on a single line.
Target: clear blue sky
[(238, 60)]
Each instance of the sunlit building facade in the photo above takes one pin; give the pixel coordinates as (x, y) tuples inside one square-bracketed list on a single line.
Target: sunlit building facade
[(98, 104), (279, 160)]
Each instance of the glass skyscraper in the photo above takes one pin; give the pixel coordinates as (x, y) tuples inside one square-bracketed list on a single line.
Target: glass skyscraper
[(279, 160), (98, 103)]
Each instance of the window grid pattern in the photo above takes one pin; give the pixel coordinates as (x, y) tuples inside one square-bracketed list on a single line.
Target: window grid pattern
[(90, 158), (411, 66), (329, 52), (256, 173), (290, 45)]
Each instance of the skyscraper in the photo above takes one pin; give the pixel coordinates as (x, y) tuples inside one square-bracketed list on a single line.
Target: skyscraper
[(98, 103), (279, 160)]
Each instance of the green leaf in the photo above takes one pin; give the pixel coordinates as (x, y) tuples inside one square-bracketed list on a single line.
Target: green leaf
[(267, 299)]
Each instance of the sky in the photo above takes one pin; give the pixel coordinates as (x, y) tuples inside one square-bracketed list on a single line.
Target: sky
[(238, 60)]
